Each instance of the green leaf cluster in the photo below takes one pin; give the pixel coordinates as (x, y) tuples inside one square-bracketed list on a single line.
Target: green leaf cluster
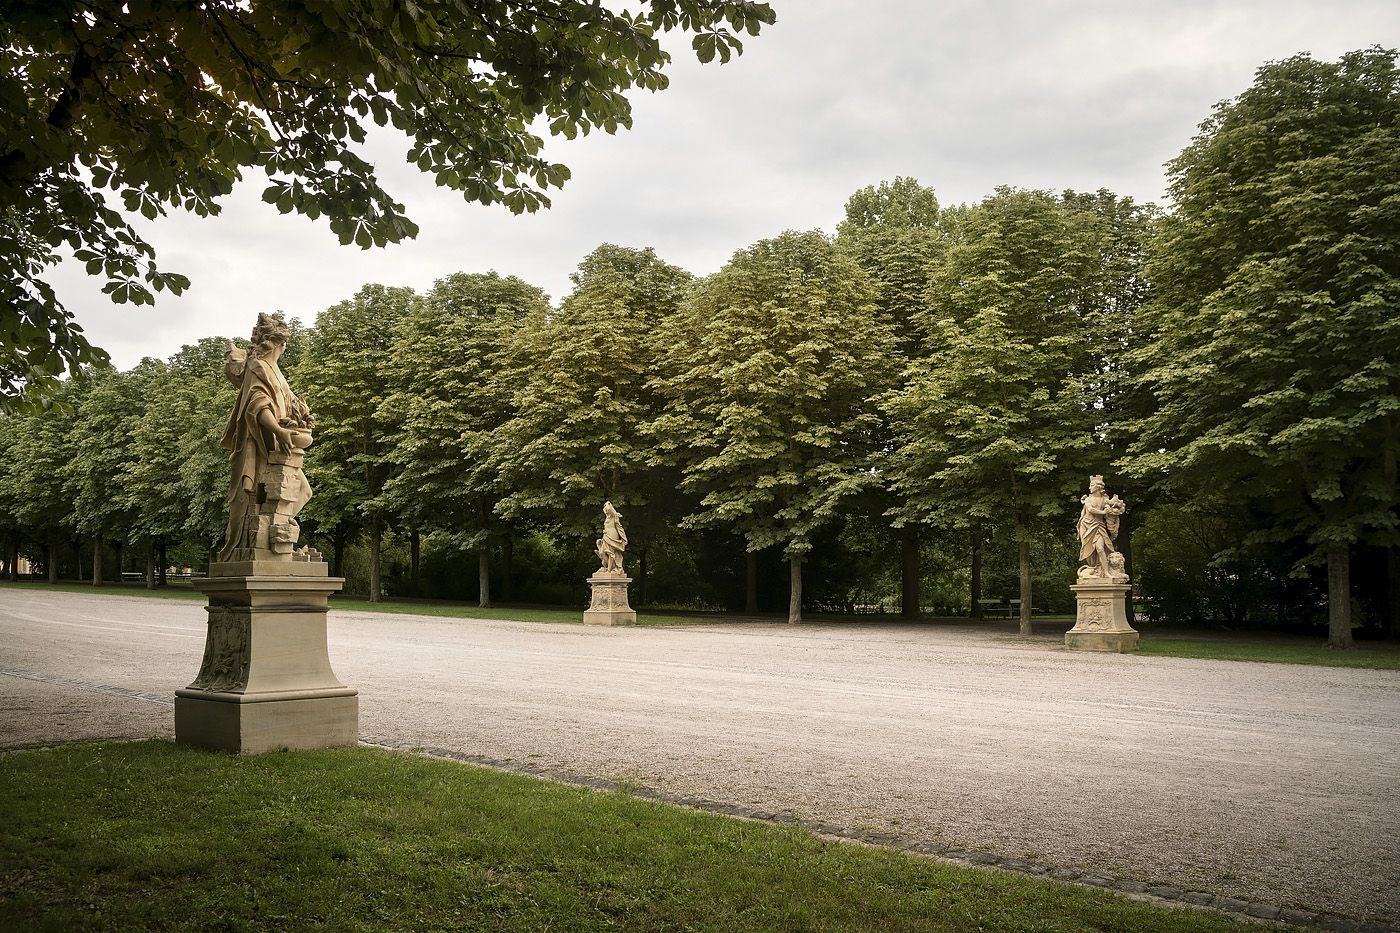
[(160, 104)]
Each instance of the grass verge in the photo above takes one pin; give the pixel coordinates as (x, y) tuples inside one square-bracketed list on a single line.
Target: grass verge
[(153, 836), (1383, 656), (169, 591)]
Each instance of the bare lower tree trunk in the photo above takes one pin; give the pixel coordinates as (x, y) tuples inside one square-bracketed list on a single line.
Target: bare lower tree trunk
[(795, 594), (151, 565), (751, 583), (375, 535), (1339, 597), (483, 576), (1025, 554), (414, 551), (53, 558), (164, 562), (1392, 573), (338, 539), (642, 572), (909, 591), (1124, 543), (975, 610), (96, 560), (507, 561), (14, 558)]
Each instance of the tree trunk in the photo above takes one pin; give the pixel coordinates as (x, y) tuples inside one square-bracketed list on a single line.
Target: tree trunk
[(96, 560), (414, 552), (338, 549), (483, 576), (750, 583), (507, 561), (1124, 543), (909, 592), (975, 610), (52, 552), (151, 564), (1392, 600), (795, 594), (642, 572), (164, 562), (375, 534), (14, 558), (1339, 597), (78, 557), (1025, 555)]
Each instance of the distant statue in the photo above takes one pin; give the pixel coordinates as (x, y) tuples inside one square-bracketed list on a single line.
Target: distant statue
[(267, 433), (1098, 529), (613, 542)]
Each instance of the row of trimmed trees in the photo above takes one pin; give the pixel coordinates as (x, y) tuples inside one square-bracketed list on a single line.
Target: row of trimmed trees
[(926, 373)]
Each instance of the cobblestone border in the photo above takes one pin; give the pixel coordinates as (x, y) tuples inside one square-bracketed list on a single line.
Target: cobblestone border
[(1164, 894)]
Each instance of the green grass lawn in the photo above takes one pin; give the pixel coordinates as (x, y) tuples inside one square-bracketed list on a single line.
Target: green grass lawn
[(151, 836), (1370, 654)]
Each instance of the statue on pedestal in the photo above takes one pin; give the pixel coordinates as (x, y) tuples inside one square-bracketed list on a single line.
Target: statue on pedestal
[(609, 605), (1098, 529), (267, 435), (266, 680), (1101, 621)]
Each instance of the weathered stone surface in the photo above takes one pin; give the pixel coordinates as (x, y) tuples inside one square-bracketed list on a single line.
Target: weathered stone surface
[(609, 605), (266, 680), (1102, 620), (267, 434)]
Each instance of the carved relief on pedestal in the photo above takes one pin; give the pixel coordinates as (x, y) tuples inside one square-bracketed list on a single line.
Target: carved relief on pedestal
[(1095, 614), (226, 651)]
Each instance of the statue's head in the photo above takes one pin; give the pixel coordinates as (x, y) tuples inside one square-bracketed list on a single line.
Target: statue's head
[(269, 330), (608, 509), (1096, 484)]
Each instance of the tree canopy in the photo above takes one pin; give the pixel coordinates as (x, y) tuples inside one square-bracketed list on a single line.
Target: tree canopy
[(1273, 352), (166, 103)]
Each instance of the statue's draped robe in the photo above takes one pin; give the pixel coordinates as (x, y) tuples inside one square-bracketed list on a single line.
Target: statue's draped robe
[(261, 385), (614, 542), (1094, 526)]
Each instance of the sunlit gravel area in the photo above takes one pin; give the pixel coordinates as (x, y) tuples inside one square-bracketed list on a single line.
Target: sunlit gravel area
[(1273, 783)]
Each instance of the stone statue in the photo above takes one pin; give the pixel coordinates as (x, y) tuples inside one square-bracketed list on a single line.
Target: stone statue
[(267, 435), (612, 543), (1098, 529)]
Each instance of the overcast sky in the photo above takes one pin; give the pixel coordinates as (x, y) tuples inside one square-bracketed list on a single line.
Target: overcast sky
[(962, 95)]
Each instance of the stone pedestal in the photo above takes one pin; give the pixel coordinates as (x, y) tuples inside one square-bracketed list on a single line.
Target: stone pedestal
[(1102, 621), (266, 681), (609, 605)]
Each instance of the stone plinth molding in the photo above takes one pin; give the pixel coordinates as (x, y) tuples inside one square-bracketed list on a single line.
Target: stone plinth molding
[(609, 605), (266, 680), (1102, 620)]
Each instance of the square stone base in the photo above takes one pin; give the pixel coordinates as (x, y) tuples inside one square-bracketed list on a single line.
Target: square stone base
[(1101, 623), (609, 617), (1101, 641), (249, 728), (609, 605)]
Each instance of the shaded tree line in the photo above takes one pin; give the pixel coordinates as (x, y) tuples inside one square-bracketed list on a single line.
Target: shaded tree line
[(902, 414)]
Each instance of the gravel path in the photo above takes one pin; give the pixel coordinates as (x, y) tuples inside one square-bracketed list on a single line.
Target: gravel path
[(1273, 783)]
